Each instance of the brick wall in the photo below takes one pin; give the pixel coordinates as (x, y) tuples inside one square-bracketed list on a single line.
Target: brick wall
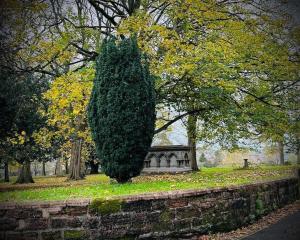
[(167, 215)]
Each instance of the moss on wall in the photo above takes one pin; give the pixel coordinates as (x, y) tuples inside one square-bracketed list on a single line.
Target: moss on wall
[(74, 234), (105, 206), (259, 207), (165, 221)]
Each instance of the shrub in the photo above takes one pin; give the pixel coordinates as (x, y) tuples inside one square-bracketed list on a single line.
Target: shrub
[(121, 111)]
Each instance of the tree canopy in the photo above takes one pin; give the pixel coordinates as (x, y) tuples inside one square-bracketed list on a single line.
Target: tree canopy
[(228, 69)]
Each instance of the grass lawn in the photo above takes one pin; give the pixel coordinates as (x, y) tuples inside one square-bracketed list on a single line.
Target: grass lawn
[(100, 186)]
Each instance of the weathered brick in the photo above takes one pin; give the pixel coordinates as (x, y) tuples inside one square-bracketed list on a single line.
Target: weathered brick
[(91, 223), (158, 204), (115, 227), (139, 228), (201, 203), (52, 235), (55, 211), (2, 212), (94, 234), (34, 224), (118, 218), (175, 203), (238, 203), (24, 213), (22, 236), (197, 221), (187, 212), (142, 222), (75, 210), (112, 234), (8, 224), (181, 225), (136, 206), (63, 222)]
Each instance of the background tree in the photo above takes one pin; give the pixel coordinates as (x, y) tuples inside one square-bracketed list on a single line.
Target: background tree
[(202, 158), (218, 77), (8, 111), (92, 159), (27, 122), (68, 96), (122, 109)]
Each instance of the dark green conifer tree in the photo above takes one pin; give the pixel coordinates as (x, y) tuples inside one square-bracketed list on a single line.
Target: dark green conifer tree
[(121, 111)]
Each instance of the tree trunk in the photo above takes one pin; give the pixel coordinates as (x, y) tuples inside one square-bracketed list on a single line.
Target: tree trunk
[(192, 135), (281, 152), (298, 155), (67, 166), (25, 173), (246, 164), (94, 167), (35, 168), (76, 169), (44, 168), (6, 173), (58, 170)]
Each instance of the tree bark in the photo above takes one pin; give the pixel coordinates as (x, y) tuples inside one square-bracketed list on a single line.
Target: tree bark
[(192, 135), (58, 170), (44, 168), (25, 173), (281, 152), (6, 173), (94, 167), (298, 155), (66, 166), (76, 169), (246, 164)]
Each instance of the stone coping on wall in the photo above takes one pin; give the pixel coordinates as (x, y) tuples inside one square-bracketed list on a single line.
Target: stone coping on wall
[(161, 215), (173, 194)]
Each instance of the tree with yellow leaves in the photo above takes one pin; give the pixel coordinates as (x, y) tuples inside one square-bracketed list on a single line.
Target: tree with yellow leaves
[(68, 97), (219, 62)]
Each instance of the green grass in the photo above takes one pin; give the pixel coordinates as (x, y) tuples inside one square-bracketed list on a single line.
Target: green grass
[(53, 180), (99, 186)]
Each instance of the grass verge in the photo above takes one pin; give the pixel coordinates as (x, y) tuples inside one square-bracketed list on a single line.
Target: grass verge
[(99, 186)]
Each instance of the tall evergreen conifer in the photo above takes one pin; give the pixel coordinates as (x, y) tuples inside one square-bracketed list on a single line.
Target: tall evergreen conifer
[(121, 111)]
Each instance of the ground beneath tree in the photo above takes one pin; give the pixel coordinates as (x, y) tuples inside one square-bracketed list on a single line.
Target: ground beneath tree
[(283, 224)]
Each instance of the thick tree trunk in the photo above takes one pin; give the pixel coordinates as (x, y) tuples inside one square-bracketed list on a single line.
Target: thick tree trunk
[(76, 168), (192, 135), (6, 173), (94, 167), (44, 168), (281, 152), (25, 173)]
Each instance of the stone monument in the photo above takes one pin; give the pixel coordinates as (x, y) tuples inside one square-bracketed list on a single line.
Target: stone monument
[(169, 158)]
